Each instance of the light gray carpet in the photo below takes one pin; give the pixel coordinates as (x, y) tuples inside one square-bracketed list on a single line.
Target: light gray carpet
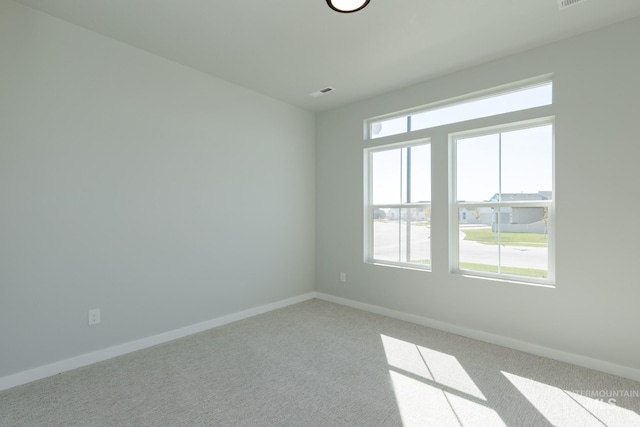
[(322, 364)]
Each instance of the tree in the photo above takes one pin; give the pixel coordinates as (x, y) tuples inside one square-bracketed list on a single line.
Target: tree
[(476, 214), (427, 214)]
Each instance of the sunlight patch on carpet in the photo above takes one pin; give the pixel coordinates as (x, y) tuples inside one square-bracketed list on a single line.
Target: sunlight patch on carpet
[(433, 388), (575, 407)]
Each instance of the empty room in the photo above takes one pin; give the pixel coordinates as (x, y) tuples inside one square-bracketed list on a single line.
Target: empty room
[(319, 213)]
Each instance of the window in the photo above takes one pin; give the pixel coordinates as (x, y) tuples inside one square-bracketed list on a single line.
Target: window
[(503, 201), (500, 183), (520, 98), (398, 213)]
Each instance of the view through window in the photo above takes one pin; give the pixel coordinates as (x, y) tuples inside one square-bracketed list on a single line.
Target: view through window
[(400, 213), (503, 193), (500, 182)]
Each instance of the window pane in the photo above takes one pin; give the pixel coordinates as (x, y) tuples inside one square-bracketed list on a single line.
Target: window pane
[(516, 100), (389, 127), (420, 173), (523, 242), (405, 171), (478, 244), (401, 234), (527, 164), (386, 177), (386, 234), (419, 248), (514, 243), (485, 107), (478, 168)]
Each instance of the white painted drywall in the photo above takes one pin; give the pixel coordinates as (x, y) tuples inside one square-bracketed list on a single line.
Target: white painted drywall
[(161, 195), (593, 311)]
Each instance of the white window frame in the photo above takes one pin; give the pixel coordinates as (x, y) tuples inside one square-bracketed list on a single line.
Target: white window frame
[(369, 207), (454, 205)]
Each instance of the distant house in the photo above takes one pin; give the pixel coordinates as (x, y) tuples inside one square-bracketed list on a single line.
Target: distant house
[(476, 216), (413, 214), (523, 215), (516, 219)]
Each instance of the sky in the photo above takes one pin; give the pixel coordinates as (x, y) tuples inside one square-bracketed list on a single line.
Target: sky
[(390, 175), (513, 162)]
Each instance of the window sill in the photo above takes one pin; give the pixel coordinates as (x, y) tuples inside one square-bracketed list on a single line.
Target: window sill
[(542, 283), (399, 265)]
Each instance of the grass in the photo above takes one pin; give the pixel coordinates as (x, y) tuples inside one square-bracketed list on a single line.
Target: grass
[(527, 272), (488, 237)]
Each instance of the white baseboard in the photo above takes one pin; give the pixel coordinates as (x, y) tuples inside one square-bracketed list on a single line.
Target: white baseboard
[(119, 350), (563, 356)]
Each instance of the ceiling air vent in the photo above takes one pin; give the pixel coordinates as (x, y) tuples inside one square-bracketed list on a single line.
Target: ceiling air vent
[(322, 91), (563, 4)]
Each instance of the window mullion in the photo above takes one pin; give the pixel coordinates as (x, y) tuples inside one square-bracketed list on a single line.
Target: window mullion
[(400, 212), (407, 210), (500, 200), (500, 167)]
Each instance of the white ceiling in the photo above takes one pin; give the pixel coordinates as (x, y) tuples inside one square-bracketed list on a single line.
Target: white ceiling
[(287, 49)]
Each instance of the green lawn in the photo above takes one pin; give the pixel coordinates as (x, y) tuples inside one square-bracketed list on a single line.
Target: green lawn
[(487, 237), (527, 272)]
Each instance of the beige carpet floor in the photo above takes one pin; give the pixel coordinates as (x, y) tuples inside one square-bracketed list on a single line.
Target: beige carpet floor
[(322, 364)]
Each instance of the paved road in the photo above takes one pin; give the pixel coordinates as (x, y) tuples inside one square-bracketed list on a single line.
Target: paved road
[(510, 256), (387, 240), (388, 237)]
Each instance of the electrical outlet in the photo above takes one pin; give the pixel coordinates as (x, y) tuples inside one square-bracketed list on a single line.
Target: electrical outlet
[(94, 316), (343, 276)]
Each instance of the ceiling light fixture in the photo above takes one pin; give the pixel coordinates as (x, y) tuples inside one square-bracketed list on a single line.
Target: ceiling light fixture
[(347, 6)]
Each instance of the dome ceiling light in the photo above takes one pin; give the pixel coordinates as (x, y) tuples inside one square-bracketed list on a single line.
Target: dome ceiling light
[(347, 6)]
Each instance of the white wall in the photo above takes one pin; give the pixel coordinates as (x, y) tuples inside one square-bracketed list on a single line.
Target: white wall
[(593, 311), (159, 194)]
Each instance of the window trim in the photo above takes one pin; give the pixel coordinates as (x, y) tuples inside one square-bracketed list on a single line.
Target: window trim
[(369, 207), (454, 205)]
